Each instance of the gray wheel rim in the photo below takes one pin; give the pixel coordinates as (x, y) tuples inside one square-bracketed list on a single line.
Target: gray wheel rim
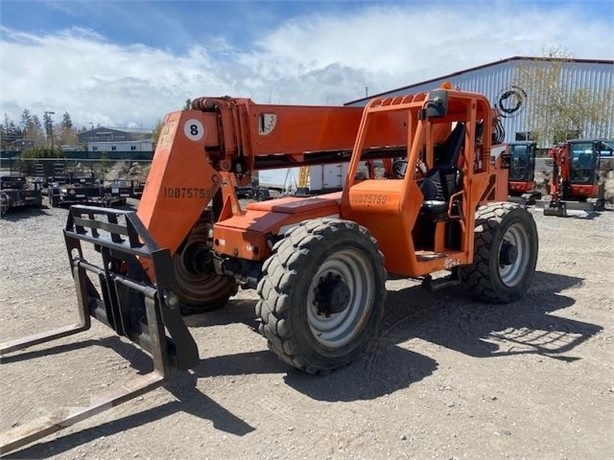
[(339, 329), (513, 274)]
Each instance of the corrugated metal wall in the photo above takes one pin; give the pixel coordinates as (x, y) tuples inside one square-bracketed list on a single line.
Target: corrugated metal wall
[(496, 82)]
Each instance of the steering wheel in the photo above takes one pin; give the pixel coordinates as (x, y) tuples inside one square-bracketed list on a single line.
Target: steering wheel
[(399, 168)]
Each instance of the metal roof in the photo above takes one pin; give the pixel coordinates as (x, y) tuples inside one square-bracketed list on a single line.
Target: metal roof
[(483, 66)]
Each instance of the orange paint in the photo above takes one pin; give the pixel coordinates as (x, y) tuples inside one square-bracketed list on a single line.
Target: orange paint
[(200, 152)]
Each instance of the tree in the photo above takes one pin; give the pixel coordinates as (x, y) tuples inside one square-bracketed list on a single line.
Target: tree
[(557, 111), (26, 119), (36, 122), (30, 157), (42, 152), (67, 134), (155, 135), (31, 128), (10, 133), (66, 121), (48, 121)]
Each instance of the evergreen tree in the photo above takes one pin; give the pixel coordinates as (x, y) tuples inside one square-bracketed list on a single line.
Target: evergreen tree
[(36, 122), (48, 121), (10, 133), (66, 121), (26, 119)]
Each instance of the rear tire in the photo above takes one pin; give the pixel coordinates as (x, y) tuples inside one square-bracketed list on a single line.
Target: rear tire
[(505, 253), (322, 295)]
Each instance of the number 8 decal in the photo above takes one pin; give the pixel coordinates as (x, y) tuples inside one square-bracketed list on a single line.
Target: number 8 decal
[(193, 130)]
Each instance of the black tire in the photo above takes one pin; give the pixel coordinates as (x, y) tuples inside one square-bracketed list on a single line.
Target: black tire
[(5, 203), (599, 205), (263, 194), (505, 253), (296, 314), (197, 286)]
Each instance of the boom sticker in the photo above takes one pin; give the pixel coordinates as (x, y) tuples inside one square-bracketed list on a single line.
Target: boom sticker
[(511, 101), (193, 130), (267, 123)]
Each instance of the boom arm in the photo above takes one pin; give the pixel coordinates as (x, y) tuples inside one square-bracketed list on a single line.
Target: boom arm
[(561, 173), (222, 140)]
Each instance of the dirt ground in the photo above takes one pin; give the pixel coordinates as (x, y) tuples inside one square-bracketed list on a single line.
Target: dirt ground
[(448, 378)]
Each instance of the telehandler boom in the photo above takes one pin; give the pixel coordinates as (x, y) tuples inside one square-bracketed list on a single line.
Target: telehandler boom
[(319, 264)]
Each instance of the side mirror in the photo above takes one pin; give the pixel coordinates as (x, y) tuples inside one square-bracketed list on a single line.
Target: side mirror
[(436, 106)]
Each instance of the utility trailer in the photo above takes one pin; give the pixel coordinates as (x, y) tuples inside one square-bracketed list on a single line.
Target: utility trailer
[(16, 191), (117, 192), (70, 190), (136, 188)]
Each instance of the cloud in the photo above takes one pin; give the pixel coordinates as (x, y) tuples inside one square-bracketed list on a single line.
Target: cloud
[(319, 58)]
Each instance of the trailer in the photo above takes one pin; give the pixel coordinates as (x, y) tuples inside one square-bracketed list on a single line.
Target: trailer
[(66, 191), (16, 191)]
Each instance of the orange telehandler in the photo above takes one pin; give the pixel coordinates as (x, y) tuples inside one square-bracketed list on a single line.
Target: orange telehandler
[(319, 264)]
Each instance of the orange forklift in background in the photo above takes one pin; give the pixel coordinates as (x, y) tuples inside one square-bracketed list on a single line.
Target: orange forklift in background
[(319, 264)]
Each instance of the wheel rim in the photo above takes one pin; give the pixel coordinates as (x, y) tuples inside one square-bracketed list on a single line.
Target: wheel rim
[(512, 268), (335, 330)]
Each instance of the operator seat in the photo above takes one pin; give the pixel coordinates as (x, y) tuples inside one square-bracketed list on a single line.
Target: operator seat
[(442, 181)]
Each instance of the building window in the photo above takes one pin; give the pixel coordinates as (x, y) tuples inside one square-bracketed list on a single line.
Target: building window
[(133, 147), (113, 148), (94, 148)]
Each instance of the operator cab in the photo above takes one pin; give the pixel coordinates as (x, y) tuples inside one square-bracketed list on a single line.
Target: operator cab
[(522, 161), (444, 179), (441, 182), (584, 160)]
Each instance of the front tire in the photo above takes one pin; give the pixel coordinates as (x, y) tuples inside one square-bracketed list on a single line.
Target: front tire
[(322, 294), (505, 253)]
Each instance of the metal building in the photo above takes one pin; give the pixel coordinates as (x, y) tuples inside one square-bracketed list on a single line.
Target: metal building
[(497, 81), (104, 134)]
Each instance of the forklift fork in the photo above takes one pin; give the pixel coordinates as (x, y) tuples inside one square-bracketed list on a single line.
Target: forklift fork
[(127, 302)]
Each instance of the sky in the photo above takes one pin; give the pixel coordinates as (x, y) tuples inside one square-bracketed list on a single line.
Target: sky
[(128, 63)]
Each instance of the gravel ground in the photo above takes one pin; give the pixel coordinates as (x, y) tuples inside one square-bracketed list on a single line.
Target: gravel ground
[(448, 378)]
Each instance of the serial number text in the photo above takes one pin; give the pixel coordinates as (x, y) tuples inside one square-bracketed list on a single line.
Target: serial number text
[(186, 192), (369, 199)]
